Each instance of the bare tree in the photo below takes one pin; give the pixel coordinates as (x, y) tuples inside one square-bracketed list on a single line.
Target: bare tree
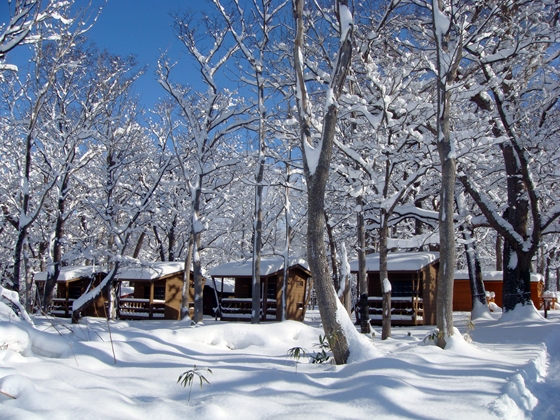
[(523, 106), (38, 90), (317, 158), (260, 31), (82, 91), (210, 117)]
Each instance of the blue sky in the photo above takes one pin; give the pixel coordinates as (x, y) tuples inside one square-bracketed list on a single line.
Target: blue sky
[(142, 28), (139, 27)]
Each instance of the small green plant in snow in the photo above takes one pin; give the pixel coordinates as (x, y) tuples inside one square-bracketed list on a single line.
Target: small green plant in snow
[(296, 353), (324, 346), (187, 378)]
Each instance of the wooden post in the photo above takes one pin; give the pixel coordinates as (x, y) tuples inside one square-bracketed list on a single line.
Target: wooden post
[(151, 303)]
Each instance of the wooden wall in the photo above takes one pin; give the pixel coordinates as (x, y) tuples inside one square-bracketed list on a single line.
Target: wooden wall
[(462, 298), (295, 302), (174, 296), (430, 275)]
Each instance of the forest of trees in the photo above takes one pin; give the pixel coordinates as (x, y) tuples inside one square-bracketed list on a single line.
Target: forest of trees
[(312, 128)]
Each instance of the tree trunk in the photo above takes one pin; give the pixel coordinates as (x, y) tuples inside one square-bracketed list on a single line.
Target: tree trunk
[(171, 239), (288, 223), (326, 296), (316, 168), (257, 244), (517, 279), (547, 271), (27, 301), (332, 249), (384, 276), (258, 312), (447, 65), (499, 252), (139, 244), (517, 264), (197, 272), (197, 266), (447, 246), (52, 276), (18, 249), (316, 252), (160, 244), (478, 292), (187, 280), (365, 326)]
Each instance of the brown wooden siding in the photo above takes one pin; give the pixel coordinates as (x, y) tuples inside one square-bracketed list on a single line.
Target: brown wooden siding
[(462, 297)]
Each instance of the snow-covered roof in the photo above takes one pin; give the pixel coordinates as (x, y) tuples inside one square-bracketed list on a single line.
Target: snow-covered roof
[(71, 272), (398, 261), (486, 275), (244, 268), (491, 275), (150, 271)]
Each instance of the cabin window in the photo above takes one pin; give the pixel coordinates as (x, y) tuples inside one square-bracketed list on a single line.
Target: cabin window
[(271, 291), (401, 288), (159, 292), (74, 292)]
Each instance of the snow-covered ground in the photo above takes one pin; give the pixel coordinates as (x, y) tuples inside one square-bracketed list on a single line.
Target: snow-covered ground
[(129, 370)]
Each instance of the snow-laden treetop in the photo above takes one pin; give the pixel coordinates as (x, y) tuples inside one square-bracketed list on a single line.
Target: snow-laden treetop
[(244, 268), (398, 261)]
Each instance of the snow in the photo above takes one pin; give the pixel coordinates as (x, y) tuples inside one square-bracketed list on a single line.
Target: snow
[(512, 260), (441, 22), (386, 286), (150, 271), (416, 241), (344, 270), (345, 21), (312, 155), (244, 268), (492, 276), (8, 67), (70, 272), (12, 297), (399, 261), (59, 370)]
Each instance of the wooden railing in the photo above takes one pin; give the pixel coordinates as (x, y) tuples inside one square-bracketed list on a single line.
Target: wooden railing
[(404, 309), (61, 307), (133, 308), (241, 309)]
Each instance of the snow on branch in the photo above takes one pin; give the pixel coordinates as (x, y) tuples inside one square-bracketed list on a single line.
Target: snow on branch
[(13, 297), (400, 213)]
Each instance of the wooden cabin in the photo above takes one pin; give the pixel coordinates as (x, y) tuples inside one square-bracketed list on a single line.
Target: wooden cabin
[(239, 307), (413, 277), (73, 282), (493, 281), (157, 291)]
